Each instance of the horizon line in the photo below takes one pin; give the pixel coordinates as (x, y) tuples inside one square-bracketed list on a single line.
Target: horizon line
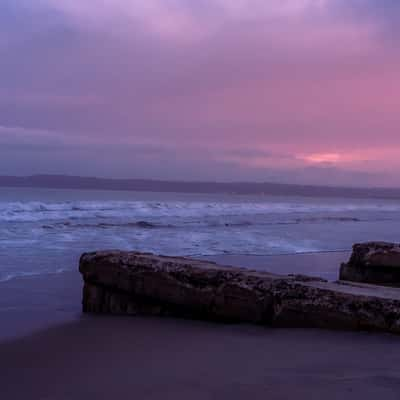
[(187, 182)]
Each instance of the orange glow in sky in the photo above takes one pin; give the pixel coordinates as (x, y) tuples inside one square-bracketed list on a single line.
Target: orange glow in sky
[(322, 158)]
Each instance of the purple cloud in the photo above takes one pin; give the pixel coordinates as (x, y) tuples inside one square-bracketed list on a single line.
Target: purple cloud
[(251, 90)]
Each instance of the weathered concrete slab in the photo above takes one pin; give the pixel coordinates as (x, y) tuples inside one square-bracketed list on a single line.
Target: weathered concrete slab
[(375, 262), (135, 283)]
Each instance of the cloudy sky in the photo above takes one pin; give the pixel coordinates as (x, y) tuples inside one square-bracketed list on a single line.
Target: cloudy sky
[(280, 90)]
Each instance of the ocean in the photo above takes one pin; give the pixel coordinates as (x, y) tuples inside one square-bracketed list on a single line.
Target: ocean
[(45, 231)]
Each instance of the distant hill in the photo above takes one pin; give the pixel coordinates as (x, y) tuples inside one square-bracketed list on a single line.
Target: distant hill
[(241, 188)]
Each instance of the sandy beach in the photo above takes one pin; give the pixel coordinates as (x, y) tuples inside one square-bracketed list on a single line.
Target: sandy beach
[(49, 350), (146, 358)]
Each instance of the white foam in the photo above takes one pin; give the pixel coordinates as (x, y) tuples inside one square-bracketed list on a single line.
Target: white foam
[(53, 211), (26, 274)]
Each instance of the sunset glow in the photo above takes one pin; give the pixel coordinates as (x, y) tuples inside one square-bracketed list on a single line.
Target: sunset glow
[(323, 158)]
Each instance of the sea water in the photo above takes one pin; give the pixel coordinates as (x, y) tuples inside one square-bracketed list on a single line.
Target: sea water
[(45, 231)]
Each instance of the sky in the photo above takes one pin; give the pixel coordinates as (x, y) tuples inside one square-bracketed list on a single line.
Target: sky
[(294, 91)]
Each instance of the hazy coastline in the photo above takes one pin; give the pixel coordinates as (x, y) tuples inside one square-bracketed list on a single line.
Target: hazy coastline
[(153, 185)]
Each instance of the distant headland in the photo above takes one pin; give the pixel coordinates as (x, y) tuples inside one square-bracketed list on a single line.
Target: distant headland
[(237, 188)]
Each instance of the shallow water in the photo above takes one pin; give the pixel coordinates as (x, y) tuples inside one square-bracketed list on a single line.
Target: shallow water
[(45, 231)]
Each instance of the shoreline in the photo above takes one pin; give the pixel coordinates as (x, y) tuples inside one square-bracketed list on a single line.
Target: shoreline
[(210, 257), (324, 264), (33, 303)]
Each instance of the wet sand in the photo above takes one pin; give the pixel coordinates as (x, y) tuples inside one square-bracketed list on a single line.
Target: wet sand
[(325, 264), (34, 303), (49, 351), (147, 358)]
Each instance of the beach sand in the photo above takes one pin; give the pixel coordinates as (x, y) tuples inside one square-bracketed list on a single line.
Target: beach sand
[(52, 352), (147, 358)]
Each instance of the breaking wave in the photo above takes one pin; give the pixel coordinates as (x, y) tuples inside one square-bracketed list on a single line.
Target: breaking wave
[(40, 211)]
